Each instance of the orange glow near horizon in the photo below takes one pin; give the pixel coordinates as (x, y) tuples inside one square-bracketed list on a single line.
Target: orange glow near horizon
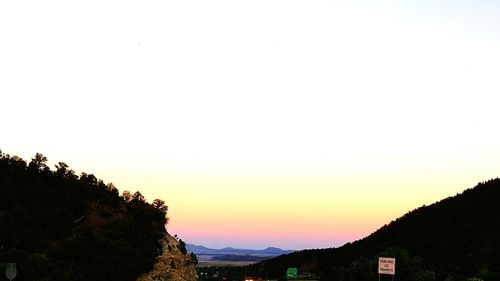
[(291, 208), (293, 212)]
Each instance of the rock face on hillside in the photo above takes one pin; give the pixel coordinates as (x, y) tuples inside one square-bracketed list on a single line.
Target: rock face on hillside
[(172, 264)]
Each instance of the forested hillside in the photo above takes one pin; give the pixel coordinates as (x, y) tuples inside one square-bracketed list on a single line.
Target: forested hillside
[(56, 225), (457, 238)]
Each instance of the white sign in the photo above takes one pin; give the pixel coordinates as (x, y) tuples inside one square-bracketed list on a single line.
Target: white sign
[(386, 266)]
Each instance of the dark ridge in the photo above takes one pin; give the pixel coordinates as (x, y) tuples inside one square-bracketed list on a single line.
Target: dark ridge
[(56, 225), (454, 239)]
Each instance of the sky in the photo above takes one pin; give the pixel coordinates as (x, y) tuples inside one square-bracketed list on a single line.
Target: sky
[(295, 124)]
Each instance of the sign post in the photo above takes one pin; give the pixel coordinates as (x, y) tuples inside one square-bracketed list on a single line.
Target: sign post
[(291, 273), (386, 266)]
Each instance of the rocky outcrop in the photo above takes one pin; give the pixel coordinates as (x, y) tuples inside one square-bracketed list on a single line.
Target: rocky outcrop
[(172, 264)]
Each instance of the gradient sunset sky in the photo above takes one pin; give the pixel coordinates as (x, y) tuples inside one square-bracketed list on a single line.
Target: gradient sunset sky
[(295, 124)]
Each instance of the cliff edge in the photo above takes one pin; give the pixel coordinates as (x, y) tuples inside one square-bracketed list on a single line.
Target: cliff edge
[(173, 264)]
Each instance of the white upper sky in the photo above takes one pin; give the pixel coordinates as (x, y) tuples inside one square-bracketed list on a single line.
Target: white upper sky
[(161, 86)]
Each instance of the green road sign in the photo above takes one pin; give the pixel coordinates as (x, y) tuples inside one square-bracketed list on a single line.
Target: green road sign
[(291, 272)]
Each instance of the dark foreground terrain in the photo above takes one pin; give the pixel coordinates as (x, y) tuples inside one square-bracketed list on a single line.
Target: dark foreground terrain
[(56, 225), (455, 239)]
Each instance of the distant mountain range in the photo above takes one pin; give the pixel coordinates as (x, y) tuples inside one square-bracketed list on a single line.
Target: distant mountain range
[(273, 251), (235, 254)]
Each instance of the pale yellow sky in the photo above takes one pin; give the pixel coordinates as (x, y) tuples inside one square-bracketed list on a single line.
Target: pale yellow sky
[(342, 115)]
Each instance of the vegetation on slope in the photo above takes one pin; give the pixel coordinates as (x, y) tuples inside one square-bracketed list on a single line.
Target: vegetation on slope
[(59, 226), (457, 238)]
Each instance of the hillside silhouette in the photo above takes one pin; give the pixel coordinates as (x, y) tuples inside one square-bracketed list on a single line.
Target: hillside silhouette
[(56, 225), (457, 238)]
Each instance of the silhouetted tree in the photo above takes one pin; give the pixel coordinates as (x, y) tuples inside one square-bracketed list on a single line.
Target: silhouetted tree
[(89, 179), (38, 163), (160, 205), (182, 247), (138, 197), (193, 259), (58, 226), (453, 239), (127, 196), (62, 169), (111, 188)]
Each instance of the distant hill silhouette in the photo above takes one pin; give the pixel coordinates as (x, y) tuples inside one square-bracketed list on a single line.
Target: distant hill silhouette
[(457, 238), (269, 251), (56, 225), (197, 248), (230, 254)]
